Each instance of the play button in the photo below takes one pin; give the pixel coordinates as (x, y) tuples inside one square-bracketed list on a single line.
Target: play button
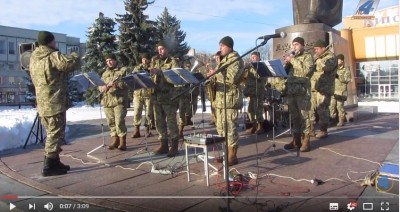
[(12, 206)]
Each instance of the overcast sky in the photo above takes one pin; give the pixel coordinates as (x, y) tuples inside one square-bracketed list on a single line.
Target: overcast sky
[(204, 21)]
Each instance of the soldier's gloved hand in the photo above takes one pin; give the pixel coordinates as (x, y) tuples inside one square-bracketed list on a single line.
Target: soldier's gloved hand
[(337, 76), (268, 85)]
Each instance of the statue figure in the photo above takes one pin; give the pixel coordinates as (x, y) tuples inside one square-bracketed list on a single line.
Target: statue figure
[(328, 12)]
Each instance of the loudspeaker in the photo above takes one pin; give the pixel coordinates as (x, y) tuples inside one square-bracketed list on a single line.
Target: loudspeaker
[(25, 52)]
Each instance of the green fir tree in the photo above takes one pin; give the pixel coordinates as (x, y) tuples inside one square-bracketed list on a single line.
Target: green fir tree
[(101, 41)]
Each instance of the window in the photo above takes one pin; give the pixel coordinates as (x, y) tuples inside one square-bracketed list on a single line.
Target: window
[(2, 46), (11, 66), (11, 48)]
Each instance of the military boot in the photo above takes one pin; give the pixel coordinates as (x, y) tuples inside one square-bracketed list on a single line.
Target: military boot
[(122, 145), (289, 145), (251, 130), (260, 129), (115, 143), (51, 167), (312, 130), (181, 131), (323, 131), (297, 139), (61, 165), (305, 146), (163, 148), (340, 123), (173, 151), (232, 156), (136, 134)]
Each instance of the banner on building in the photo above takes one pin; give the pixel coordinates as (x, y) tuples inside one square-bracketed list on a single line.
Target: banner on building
[(366, 9)]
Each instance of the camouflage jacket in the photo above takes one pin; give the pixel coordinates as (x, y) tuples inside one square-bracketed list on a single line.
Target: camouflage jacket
[(343, 77), (300, 70), (234, 73), (144, 93), (49, 71), (254, 83), (117, 95), (323, 78), (164, 90)]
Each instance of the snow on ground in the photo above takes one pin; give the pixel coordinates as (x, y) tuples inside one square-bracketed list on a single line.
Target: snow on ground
[(15, 124)]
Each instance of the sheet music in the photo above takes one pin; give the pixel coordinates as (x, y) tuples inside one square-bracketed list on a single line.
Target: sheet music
[(138, 81), (276, 68), (180, 76), (94, 78), (262, 69)]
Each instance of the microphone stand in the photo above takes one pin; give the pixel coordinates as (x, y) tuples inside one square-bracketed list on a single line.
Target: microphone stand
[(219, 70)]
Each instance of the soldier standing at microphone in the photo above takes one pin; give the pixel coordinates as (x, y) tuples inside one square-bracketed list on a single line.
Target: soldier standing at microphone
[(300, 66), (232, 74), (164, 107)]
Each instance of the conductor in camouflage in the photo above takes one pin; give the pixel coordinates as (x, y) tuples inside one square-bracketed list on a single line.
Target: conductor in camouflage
[(49, 69)]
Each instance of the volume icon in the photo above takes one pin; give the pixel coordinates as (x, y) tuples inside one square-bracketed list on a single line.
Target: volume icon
[(49, 206)]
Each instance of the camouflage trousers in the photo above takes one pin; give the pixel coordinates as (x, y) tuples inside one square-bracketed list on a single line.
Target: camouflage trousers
[(320, 105), (116, 120), (185, 109), (138, 104), (232, 125), (256, 108), (299, 107), (336, 108), (165, 117), (55, 129)]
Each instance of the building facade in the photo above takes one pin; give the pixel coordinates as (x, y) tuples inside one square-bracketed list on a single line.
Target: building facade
[(374, 44), (14, 80)]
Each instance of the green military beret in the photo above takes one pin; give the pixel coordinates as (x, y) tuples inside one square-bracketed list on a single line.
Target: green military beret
[(227, 41), (161, 43), (299, 40), (45, 37), (110, 56), (340, 56), (320, 43)]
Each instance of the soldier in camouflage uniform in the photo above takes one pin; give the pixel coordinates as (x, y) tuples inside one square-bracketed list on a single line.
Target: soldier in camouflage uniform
[(234, 95), (322, 87), (255, 91), (298, 92), (49, 70), (164, 107), (141, 97), (342, 78), (115, 101)]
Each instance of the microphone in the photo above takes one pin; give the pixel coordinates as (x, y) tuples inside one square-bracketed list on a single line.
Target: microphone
[(277, 35)]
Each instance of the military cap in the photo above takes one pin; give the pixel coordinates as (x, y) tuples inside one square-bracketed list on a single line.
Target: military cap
[(320, 43), (340, 56), (162, 43), (299, 40), (256, 53), (145, 55), (110, 56), (45, 37), (227, 41)]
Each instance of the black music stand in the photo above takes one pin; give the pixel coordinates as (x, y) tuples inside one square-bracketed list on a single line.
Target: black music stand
[(276, 68), (95, 80), (37, 132), (139, 80), (199, 77), (180, 77)]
